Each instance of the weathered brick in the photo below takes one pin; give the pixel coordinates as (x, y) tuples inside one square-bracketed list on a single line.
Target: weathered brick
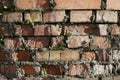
[(109, 78), (57, 41), (79, 69), (18, 55), (91, 79), (4, 31), (115, 29), (80, 16), (77, 4), (54, 55), (56, 29), (29, 69), (8, 70), (81, 30), (103, 29), (12, 17), (116, 77), (70, 55), (34, 16), (107, 16), (101, 42), (31, 4), (13, 42), (41, 30), (98, 69), (3, 56), (54, 16), (113, 4), (23, 30), (54, 69), (42, 56), (115, 54), (78, 41), (88, 55), (38, 42)]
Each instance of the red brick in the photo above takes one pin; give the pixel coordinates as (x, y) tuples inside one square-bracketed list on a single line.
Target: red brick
[(13, 42), (54, 69), (70, 55), (78, 41), (21, 55), (31, 4), (80, 16), (54, 16), (42, 56), (41, 30), (57, 41), (107, 16), (115, 29), (34, 16), (101, 42), (8, 69), (4, 31), (89, 55), (81, 30), (113, 4), (79, 69), (77, 4), (29, 69), (12, 17), (38, 42), (24, 30), (3, 56)]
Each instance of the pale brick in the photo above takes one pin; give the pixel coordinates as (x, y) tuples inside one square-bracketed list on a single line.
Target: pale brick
[(12, 17), (101, 42), (42, 56), (107, 16), (80, 16), (78, 41), (70, 55), (54, 16), (56, 29), (113, 4), (115, 29), (54, 56), (78, 4), (117, 77), (31, 4), (98, 69), (81, 30), (115, 54), (57, 41), (34, 16), (79, 69), (103, 29)]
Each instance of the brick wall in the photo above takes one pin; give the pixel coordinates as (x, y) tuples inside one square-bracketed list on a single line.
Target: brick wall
[(59, 40)]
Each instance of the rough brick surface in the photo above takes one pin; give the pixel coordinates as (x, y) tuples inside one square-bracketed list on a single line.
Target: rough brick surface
[(12, 17), (107, 16), (55, 16), (80, 16), (31, 4), (77, 4), (78, 41)]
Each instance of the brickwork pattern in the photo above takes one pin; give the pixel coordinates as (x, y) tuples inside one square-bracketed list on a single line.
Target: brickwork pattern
[(59, 40)]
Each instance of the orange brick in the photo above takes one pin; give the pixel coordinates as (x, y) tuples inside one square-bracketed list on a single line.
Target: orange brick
[(31, 4), (78, 4), (113, 4)]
